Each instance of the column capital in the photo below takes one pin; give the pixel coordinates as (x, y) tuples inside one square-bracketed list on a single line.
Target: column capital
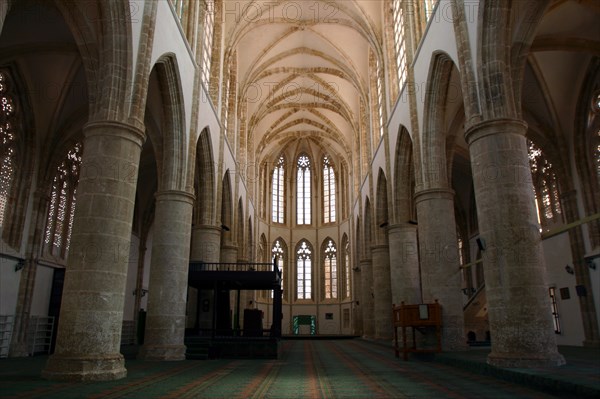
[(493, 127), (433, 194), (380, 247), (115, 129), (399, 227), (175, 195)]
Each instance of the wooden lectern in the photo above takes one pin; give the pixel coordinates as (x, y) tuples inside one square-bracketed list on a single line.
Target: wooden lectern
[(418, 317)]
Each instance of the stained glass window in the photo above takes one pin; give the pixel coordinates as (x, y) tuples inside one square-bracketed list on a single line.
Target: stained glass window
[(304, 270), (303, 204)]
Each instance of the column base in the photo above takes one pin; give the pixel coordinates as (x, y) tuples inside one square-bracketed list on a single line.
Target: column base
[(525, 360), (162, 352), (81, 369), (591, 343)]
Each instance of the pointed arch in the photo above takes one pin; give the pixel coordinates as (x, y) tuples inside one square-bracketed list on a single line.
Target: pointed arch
[(280, 256), (226, 210), (304, 254), (204, 182), (173, 147), (303, 189), (345, 269), (330, 275), (434, 169), (382, 217), (404, 178), (239, 229)]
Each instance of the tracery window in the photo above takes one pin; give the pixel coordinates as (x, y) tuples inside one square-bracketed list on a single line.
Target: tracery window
[(399, 42), (59, 222), (347, 268), (303, 204), (379, 97), (207, 40), (8, 143), (277, 253), (545, 185), (304, 270), (331, 271), (278, 191), (328, 191)]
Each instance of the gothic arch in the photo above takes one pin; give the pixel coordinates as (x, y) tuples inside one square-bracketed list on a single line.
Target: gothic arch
[(382, 209), (172, 165), (434, 158), (204, 210), (404, 178)]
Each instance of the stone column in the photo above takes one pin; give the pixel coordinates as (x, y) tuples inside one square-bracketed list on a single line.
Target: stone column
[(167, 290), (358, 305), (404, 264), (91, 317), (582, 271), (382, 289), (440, 272), (206, 243), (515, 273), (367, 303)]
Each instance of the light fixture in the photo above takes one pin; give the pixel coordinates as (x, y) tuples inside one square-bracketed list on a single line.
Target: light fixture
[(480, 244), (383, 224), (20, 264), (356, 269), (226, 228), (143, 292), (569, 269)]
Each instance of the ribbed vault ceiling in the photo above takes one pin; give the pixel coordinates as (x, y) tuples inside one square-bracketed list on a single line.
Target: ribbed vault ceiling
[(302, 69)]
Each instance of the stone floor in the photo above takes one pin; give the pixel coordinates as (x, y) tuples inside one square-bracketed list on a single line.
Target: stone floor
[(350, 368)]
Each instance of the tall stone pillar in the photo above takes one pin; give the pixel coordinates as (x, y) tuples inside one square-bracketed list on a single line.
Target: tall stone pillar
[(91, 317), (167, 290), (229, 253), (582, 271), (440, 273), (382, 289), (515, 274), (206, 243), (404, 263), (358, 305), (367, 303)]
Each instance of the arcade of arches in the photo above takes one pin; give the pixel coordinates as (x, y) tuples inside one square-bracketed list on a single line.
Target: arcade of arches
[(379, 151)]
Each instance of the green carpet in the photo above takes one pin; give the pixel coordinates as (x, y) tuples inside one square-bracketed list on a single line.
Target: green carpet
[(306, 369)]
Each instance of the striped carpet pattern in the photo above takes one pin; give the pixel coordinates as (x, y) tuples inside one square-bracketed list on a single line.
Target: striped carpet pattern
[(305, 369)]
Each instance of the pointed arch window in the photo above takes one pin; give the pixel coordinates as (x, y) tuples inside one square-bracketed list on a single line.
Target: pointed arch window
[(304, 270), (545, 185), (277, 253), (59, 222), (399, 42), (303, 204), (331, 270), (347, 274), (8, 138), (379, 96), (207, 40), (278, 192), (328, 191)]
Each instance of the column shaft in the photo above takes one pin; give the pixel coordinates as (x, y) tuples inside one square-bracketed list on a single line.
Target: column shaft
[(89, 331), (382, 290), (206, 244), (440, 273), (167, 290), (515, 273), (367, 303), (404, 263)]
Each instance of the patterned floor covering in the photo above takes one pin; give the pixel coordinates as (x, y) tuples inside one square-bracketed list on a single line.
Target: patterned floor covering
[(305, 369)]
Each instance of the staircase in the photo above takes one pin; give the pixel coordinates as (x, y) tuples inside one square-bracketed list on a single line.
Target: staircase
[(197, 348)]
